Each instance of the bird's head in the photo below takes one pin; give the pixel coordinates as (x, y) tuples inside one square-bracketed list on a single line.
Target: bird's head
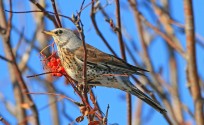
[(65, 38)]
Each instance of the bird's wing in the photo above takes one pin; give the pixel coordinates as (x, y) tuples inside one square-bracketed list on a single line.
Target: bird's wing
[(99, 58)]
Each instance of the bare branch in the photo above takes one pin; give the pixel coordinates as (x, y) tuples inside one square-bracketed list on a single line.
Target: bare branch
[(5, 59), (122, 50), (192, 73), (4, 121), (44, 11), (10, 56), (56, 13), (147, 60), (98, 31)]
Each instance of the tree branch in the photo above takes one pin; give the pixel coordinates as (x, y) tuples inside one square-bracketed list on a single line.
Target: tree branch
[(122, 50), (192, 73)]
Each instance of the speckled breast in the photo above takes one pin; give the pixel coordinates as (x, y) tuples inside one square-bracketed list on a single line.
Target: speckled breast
[(73, 69)]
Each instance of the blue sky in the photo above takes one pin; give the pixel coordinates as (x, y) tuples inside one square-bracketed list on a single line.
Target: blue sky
[(105, 96)]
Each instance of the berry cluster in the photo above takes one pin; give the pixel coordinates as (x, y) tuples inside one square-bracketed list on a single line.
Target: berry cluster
[(55, 66)]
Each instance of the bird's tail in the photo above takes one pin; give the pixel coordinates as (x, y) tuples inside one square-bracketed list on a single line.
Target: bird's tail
[(135, 91)]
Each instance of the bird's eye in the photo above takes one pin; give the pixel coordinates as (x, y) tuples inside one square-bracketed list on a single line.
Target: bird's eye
[(56, 32), (60, 31)]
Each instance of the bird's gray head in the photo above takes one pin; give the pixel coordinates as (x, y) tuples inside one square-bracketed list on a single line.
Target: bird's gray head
[(65, 38)]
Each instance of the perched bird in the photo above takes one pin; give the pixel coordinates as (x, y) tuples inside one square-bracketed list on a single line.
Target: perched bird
[(102, 69)]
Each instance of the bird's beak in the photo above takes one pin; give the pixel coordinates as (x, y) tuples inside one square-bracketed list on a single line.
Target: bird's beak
[(49, 33)]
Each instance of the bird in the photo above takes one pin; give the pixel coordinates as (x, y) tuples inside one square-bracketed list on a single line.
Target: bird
[(102, 69)]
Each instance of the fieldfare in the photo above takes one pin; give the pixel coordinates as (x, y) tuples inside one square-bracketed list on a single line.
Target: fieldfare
[(102, 69)]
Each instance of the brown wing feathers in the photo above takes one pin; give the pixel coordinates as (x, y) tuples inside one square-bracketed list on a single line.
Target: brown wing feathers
[(100, 58)]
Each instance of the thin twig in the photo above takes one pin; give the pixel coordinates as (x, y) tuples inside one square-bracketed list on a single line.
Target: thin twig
[(45, 13), (119, 31), (93, 98), (122, 50), (53, 94), (10, 54), (36, 75), (105, 119), (82, 4), (56, 13), (98, 31), (192, 73), (84, 100), (5, 59), (25, 57), (20, 40), (85, 55), (4, 121), (138, 114), (164, 17), (40, 11), (164, 36), (147, 60)]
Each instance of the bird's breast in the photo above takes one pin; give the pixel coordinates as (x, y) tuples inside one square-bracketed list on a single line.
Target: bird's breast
[(72, 68)]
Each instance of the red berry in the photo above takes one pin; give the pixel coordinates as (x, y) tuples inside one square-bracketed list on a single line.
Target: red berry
[(58, 60), (54, 68), (52, 64), (53, 59), (58, 74), (49, 64), (55, 63), (60, 69)]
